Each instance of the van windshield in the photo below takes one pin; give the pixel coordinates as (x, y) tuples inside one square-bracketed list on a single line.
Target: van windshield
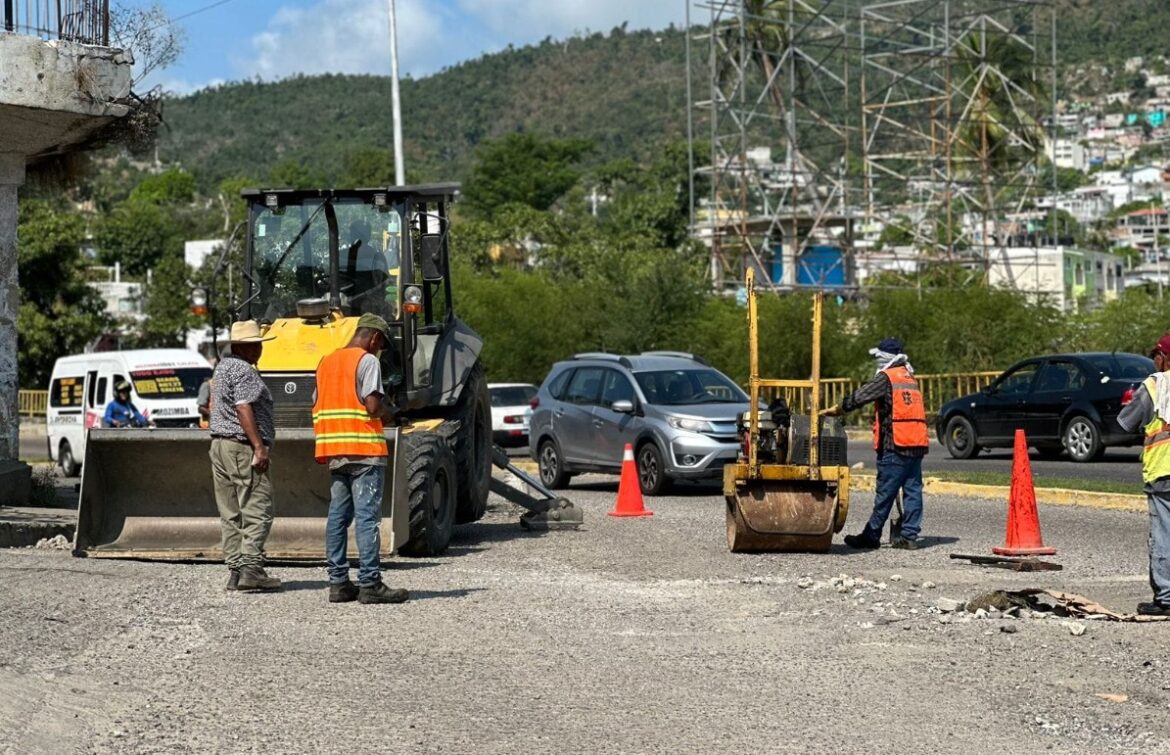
[(169, 382)]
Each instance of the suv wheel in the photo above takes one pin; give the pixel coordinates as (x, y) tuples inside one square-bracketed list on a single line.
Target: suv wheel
[(651, 471), (552, 466)]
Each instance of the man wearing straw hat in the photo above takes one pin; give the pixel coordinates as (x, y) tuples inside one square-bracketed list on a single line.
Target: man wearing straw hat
[(242, 433)]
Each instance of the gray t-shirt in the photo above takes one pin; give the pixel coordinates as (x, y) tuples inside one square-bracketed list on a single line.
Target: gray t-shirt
[(369, 381), (236, 382)]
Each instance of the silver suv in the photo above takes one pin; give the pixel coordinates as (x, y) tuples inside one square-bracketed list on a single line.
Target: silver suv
[(677, 412)]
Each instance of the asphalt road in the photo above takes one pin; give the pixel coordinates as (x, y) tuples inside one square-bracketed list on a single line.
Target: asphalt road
[(631, 635), (1117, 465)]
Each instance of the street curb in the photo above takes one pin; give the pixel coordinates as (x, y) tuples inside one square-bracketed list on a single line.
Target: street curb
[(1046, 496)]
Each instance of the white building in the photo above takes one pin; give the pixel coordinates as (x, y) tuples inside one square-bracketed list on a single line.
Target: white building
[(1068, 153), (1068, 278), (194, 252)]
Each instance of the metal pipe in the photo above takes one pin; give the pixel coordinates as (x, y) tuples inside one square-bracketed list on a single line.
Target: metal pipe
[(753, 374), (395, 104), (690, 126)]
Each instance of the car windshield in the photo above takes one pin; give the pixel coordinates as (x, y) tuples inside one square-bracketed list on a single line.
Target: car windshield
[(1123, 366), (691, 386), (512, 395), (290, 252), (169, 382)]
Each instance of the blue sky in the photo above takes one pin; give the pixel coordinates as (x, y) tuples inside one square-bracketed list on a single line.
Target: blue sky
[(272, 39)]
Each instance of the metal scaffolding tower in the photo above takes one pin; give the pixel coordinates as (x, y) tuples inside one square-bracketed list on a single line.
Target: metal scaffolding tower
[(825, 116)]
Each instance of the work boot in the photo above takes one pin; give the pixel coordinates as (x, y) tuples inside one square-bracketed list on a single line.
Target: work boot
[(343, 592), (1153, 608), (380, 593), (861, 542), (255, 579), (233, 582), (902, 543)]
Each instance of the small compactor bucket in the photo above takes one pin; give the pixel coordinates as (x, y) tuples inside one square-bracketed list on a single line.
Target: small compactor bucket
[(789, 490), (148, 493), (782, 508)]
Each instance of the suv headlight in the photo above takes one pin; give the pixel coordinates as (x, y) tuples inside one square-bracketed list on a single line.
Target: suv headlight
[(694, 425)]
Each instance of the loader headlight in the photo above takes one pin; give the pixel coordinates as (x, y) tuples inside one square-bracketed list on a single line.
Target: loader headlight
[(693, 425), (412, 299)]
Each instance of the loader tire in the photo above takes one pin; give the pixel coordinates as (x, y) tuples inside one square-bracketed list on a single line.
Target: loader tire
[(430, 486), (473, 448)]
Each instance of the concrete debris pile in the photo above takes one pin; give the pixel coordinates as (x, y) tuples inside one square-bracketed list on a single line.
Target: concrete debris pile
[(55, 543)]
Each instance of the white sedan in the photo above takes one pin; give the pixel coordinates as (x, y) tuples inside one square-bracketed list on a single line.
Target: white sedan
[(511, 412)]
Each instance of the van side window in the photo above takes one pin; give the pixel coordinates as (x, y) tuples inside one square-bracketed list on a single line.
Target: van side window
[(101, 392), (91, 389), (65, 392)]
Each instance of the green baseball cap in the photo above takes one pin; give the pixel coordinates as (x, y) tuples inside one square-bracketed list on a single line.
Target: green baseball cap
[(374, 322)]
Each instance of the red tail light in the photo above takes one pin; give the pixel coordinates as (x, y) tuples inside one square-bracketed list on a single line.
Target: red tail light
[(535, 402), (514, 419), (1127, 397)]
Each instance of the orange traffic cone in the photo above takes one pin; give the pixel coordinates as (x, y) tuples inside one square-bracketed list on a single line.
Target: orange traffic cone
[(629, 497), (1023, 523)]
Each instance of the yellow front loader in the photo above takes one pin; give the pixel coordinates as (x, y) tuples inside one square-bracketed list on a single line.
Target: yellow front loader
[(789, 490), (316, 260)]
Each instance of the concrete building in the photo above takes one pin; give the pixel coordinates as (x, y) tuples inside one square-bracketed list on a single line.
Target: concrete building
[(60, 83), (1068, 153), (1066, 277), (1141, 228)]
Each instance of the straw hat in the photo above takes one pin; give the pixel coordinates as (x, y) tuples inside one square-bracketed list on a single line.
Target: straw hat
[(248, 331)]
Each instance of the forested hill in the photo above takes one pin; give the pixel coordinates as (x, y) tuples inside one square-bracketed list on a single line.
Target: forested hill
[(624, 90)]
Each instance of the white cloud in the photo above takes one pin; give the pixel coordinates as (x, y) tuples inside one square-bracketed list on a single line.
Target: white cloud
[(523, 20), (345, 36)]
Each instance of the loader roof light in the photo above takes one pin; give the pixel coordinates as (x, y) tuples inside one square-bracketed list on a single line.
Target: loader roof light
[(380, 199), (412, 299), (271, 201)]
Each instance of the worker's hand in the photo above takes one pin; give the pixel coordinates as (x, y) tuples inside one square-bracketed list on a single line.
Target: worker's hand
[(833, 411), (260, 458)]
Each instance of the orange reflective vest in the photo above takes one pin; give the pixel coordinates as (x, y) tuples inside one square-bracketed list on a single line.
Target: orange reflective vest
[(341, 423), (909, 420)]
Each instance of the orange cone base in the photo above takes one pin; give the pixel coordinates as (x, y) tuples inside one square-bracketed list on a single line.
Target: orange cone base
[(1003, 550), (631, 513)]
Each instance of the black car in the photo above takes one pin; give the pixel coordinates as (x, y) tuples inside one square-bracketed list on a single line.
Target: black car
[(1063, 402)]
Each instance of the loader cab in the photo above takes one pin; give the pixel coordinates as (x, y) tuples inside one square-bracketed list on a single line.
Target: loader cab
[(316, 260)]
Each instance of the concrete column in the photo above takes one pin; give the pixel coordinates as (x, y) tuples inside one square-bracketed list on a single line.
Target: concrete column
[(11, 177)]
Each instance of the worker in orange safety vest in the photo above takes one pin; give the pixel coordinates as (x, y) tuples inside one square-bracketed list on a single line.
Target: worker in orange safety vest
[(900, 439), (348, 412)]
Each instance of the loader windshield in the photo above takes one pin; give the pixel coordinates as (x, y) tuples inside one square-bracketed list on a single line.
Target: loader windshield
[(291, 257)]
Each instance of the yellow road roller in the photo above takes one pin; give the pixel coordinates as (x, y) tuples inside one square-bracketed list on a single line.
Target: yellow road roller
[(788, 492)]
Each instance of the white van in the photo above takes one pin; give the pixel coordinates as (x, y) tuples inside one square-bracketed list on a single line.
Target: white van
[(165, 385)]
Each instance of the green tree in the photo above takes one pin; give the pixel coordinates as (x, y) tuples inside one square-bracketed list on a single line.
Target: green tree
[(167, 307), (294, 174), (523, 169), (138, 235), (59, 314), (367, 166), (169, 187)]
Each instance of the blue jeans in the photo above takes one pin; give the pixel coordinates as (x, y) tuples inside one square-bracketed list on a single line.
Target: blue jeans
[(1159, 546), (897, 472), (355, 495)]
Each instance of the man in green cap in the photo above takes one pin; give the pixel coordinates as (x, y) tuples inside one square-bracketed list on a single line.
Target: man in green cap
[(348, 411)]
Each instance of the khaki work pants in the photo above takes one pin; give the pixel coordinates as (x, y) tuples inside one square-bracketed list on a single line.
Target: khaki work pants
[(244, 499)]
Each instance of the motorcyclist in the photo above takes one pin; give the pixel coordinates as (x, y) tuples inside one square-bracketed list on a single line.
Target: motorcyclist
[(121, 412)]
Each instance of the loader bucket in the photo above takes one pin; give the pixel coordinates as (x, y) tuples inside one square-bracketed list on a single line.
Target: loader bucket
[(148, 494), (782, 516)]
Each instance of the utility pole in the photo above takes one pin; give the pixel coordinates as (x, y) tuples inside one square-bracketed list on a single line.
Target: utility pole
[(395, 105)]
